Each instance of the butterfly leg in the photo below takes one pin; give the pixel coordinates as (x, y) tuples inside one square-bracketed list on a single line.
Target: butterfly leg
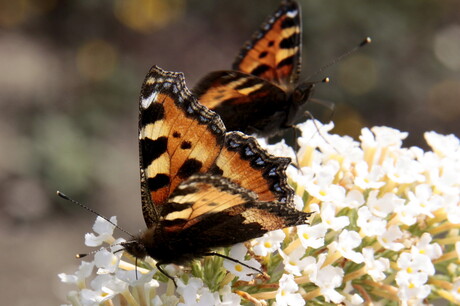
[(158, 265), (234, 260)]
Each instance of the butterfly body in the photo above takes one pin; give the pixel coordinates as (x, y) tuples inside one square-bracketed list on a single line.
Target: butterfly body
[(202, 187), (261, 94)]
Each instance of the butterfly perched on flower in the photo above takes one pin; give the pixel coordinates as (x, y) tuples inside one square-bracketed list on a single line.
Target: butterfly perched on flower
[(261, 94), (202, 187)]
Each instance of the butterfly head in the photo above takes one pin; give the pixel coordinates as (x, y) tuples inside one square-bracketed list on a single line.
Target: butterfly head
[(303, 92), (136, 248)]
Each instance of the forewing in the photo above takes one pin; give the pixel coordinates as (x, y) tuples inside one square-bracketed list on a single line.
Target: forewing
[(178, 137), (274, 51)]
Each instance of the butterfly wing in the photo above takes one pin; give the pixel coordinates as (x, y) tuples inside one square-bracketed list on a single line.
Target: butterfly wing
[(218, 212), (245, 163), (274, 52), (201, 187), (245, 102), (178, 137)]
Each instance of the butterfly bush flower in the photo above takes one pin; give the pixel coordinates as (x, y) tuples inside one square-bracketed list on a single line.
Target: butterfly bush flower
[(385, 230)]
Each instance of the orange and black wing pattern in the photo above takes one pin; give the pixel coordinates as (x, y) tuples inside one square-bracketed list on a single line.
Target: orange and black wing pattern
[(245, 102), (274, 52), (257, 96), (178, 137), (202, 187)]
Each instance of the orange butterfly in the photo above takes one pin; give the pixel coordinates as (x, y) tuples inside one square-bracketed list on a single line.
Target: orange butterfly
[(261, 94), (201, 187)]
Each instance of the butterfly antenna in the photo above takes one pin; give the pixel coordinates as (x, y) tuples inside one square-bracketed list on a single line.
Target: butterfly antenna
[(60, 194), (364, 42)]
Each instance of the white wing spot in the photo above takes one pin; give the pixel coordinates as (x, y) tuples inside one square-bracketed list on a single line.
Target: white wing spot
[(145, 103), (292, 14)]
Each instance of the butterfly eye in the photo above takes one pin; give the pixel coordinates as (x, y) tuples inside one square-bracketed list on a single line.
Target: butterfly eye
[(302, 93)]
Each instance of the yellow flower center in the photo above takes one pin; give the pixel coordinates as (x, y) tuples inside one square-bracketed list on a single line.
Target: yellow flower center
[(238, 268), (306, 236), (322, 192), (409, 270), (267, 244)]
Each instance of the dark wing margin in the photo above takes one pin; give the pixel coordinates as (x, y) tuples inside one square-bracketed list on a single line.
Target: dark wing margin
[(245, 163), (274, 52), (178, 137)]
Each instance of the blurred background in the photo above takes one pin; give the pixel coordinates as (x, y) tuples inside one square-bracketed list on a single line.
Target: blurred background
[(70, 77)]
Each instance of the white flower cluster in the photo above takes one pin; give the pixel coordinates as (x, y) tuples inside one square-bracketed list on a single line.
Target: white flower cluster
[(385, 229), (387, 218)]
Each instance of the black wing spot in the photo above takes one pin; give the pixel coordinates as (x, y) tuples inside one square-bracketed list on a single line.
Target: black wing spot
[(289, 42), (286, 62), (263, 54), (216, 170), (185, 145), (152, 114), (152, 149), (176, 134), (159, 181), (189, 167), (260, 69), (288, 23), (271, 43)]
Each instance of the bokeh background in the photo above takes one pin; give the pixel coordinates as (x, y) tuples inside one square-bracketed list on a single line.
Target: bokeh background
[(70, 76)]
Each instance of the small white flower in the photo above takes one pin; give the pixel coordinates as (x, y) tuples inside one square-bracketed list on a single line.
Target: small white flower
[(294, 263), (277, 149), (268, 243), (375, 267), (238, 252), (327, 279), (423, 247), (312, 236), (104, 230), (298, 202), (403, 169), (348, 240), (370, 225), (104, 287), (194, 293), (390, 237), (415, 262), (353, 200), (412, 288), (106, 261), (382, 136), (423, 201), (329, 219), (366, 179), (443, 145), (314, 134), (384, 205), (287, 292), (84, 271), (135, 278)]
